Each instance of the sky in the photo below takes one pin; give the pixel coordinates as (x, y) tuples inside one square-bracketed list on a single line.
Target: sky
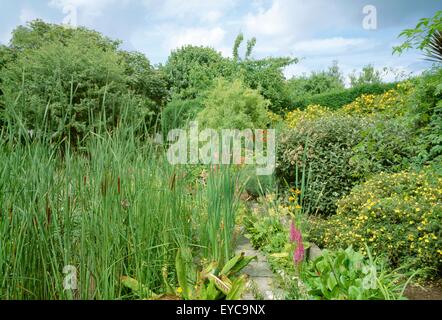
[(353, 32)]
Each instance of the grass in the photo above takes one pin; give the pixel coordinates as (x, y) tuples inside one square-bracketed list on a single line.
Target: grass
[(116, 207)]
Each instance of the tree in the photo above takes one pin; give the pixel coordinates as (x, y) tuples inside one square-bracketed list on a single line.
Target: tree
[(422, 36), (191, 70), (143, 78), (317, 83), (38, 33), (238, 40), (64, 83), (368, 75), (434, 52), (265, 75)]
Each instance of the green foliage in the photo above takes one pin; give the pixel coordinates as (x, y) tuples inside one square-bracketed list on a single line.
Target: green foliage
[(178, 113), (389, 145), (348, 275), (434, 52), (425, 112), (257, 185), (231, 105), (192, 70), (143, 79), (266, 233), (238, 40), (213, 281), (208, 283), (316, 83), (61, 88), (37, 34), (421, 36), (65, 83), (398, 215), (330, 141), (266, 76), (368, 75), (217, 226), (339, 98)]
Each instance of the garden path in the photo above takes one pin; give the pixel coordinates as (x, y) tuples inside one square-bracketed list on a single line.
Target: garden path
[(262, 284)]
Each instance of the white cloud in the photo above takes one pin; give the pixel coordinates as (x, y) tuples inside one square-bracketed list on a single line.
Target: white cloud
[(274, 21), (88, 7), (190, 9), (159, 42), (328, 46), (212, 16), (196, 36), (293, 18)]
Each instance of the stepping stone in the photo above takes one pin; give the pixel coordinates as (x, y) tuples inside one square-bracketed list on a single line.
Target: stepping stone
[(262, 281)]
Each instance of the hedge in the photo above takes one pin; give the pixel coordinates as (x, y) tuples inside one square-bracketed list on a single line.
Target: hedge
[(339, 98)]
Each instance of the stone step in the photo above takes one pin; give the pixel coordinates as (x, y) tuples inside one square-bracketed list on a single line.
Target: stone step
[(262, 281)]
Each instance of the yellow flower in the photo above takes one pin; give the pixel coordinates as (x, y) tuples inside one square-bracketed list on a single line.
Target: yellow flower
[(179, 290)]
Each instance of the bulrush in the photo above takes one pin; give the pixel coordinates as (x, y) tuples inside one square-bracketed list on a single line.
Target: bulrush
[(48, 213)]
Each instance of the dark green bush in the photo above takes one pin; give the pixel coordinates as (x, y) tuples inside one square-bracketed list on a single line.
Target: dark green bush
[(389, 145), (267, 77), (61, 84), (191, 70), (339, 98), (425, 112), (330, 141)]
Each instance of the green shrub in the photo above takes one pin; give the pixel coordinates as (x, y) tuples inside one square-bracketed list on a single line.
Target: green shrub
[(330, 141), (179, 112), (266, 233), (389, 145), (316, 83), (231, 105), (425, 112), (339, 98), (257, 185), (63, 84), (398, 215), (267, 77), (192, 70), (348, 275)]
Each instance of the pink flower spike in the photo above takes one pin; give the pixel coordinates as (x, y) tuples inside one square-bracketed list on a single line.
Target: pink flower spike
[(298, 256), (295, 234)]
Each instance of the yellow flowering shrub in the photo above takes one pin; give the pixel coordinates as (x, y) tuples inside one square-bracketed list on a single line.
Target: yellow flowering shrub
[(399, 215), (391, 102), (312, 112)]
